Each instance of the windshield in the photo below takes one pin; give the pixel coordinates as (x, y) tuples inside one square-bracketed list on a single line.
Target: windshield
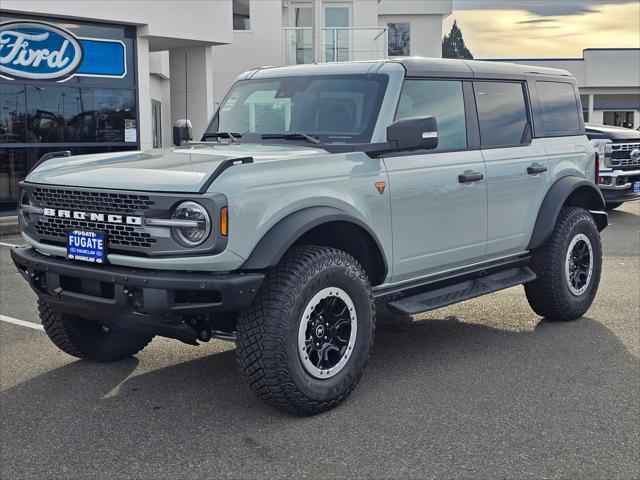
[(331, 108)]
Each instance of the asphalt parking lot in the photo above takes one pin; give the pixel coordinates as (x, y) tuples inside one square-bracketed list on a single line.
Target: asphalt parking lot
[(483, 389)]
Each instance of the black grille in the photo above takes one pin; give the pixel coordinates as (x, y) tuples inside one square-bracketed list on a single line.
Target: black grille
[(118, 203), (55, 230)]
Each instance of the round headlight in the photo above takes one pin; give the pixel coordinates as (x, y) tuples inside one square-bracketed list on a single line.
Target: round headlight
[(197, 224), (24, 216)]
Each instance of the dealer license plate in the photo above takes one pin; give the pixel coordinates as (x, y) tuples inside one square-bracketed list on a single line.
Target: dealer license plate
[(86, 246), (636, 187)]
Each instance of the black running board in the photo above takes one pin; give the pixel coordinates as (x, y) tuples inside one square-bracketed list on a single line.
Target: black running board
[(441, 297)]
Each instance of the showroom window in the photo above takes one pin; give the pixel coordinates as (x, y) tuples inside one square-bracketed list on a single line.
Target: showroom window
[(502, 113), (241, 15), (94, 110), (442, 99)]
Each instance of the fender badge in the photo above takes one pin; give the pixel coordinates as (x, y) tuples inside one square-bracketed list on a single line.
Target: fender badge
[(380, 186)]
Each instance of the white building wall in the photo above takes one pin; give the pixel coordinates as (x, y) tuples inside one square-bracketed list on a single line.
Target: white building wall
[(144, 94), (426, 33), (161, 91), (191, 71), (260, 46), (164, 22)]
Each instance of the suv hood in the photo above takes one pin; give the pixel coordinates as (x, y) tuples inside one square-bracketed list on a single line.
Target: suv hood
[(181, 169)]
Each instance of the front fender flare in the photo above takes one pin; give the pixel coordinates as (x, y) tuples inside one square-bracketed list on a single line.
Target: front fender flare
[(555, 199), (270, 249)]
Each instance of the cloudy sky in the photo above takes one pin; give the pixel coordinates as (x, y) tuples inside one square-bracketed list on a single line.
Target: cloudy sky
[(545, 28)]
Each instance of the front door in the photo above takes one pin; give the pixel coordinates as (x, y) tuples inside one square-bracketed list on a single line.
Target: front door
[(439, 219)]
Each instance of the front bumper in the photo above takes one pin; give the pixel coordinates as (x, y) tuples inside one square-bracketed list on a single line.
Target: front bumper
[(156, 302), (617, 185)]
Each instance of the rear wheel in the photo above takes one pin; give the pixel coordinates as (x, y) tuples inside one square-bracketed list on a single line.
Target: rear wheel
[(613, 206), (85, 339), (568, 267), (304, 342)]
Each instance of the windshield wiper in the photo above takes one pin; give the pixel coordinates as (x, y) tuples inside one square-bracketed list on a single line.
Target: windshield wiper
[(291, 136), (231, 136)]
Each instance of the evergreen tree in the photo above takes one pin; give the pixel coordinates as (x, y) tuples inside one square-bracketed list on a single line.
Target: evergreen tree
[(453, 44)]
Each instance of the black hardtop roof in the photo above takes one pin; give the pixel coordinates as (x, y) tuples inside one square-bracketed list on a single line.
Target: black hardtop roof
[(446, 67)]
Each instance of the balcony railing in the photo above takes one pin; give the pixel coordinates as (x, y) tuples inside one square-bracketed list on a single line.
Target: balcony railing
[(336, 44)]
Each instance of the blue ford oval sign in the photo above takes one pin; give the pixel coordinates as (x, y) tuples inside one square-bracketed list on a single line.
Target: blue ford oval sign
[(38, 51)]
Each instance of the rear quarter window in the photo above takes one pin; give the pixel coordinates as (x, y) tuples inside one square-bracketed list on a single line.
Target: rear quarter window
[(558, 111)]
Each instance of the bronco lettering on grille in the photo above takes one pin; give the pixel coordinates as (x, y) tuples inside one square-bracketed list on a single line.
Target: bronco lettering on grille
[(92, 217)]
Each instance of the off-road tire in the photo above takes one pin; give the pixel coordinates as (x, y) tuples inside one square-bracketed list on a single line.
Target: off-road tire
[(613, 206), (267, 331), (549, 295), (85, 339)]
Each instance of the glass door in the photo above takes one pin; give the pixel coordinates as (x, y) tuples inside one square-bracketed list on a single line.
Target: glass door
[(300, 38), (156, 123), (337, 20)]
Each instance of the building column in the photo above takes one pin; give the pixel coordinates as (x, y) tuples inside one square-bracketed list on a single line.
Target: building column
[(144, 94), (636, 119), (191, 74), (590, 116)]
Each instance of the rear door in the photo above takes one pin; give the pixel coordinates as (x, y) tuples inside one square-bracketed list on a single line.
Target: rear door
[(439, 221), (560, 129), (517, 168)]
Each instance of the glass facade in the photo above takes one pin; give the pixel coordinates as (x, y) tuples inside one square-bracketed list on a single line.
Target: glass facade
[(89, 112)]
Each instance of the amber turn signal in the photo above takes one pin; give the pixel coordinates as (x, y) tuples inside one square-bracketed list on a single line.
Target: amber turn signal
[(224, 221)]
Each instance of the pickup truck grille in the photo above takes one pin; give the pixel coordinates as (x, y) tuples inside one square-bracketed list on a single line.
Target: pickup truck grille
[(621, 156)]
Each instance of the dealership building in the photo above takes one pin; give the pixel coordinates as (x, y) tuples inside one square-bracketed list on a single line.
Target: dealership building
[(100, 76)]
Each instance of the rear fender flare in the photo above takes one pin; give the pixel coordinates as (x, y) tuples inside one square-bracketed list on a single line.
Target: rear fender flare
[(557, 197)]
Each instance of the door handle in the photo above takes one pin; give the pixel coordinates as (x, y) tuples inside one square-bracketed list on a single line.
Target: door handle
[(469, 176), (536, 168)]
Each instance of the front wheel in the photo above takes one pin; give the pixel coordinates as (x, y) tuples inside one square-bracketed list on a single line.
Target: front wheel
[(568, 267), (83, 338), (305, 340)]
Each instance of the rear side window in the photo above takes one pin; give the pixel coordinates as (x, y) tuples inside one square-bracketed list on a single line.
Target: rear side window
[(558, 112), (442, 99), (502, 113)]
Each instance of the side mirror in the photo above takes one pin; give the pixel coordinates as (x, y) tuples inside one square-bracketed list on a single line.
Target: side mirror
[(182, 132), (414, 133)]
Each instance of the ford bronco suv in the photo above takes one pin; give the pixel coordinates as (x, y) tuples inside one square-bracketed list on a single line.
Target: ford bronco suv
[(315, 193), (619, 176)]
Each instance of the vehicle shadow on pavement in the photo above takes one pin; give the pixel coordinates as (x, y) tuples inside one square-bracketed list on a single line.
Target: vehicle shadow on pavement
[(439, 398)]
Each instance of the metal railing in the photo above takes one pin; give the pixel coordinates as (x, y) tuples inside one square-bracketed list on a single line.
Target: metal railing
[(340, 44)]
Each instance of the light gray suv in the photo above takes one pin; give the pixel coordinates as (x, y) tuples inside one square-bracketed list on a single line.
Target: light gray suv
[(315, 193)]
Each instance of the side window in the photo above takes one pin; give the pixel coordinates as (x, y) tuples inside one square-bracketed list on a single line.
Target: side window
[(558, 112), (442, 99), (502, 113)]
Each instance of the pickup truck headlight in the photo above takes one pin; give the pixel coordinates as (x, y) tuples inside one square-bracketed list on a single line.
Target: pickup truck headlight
[(24, 209), (192, 224), (604, 149), (608, 155)]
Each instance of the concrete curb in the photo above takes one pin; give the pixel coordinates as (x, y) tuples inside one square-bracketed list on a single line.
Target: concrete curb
[(9, 226)]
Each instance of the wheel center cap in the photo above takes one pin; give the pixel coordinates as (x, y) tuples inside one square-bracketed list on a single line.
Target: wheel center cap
[(319, 331)]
